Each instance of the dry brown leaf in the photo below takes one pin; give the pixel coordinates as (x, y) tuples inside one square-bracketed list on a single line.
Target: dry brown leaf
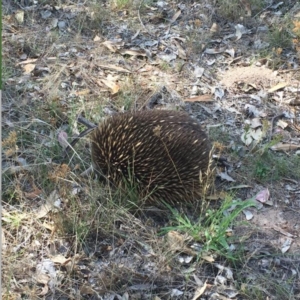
[(60, 259), (215, 27), (97, 38), (44, 210), (277, 87), (285, 147), (48, 226), (214, 50), (208, 258), (50, 203), (246, 138), (42, 278), (112, 85), (255, 123), (19, 15), (181, 52), (276, 228), (3, 241), (177, 241), (35, 193), (83, 92), (114, 68), (201, 98), (28, 61), (111, 46), (199, 291), (28, 68), (133, 52), (175, 17), (282, 124), (197, 23), (44, 291)]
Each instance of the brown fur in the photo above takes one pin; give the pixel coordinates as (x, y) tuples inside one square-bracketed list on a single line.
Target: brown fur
[(162, 152)]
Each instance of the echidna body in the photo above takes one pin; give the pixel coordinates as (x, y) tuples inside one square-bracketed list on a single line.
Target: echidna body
[(164, 153)]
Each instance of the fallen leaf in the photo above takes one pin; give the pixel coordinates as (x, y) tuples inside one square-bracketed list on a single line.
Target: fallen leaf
[(60, 259), (246, 138), (3, 241), (277, 87), (284, 147), (241, 186), (198, 72), (43, 210), (167, 57), (240, 30), (231, 52), (114, 68), (175, 17), (28, 68), (111, 46), (214, 28), (199, 291), (44, 291), (176, 241), (49, 226), (112, 85), (248, 214), (133, 52), (97, 38), (282, 124), (83, 92), (256, 134), (263, 196), (19, 15), (226, 177), (208, 258), (34, 194), (28, 61), (54, 23), (181, 52), (286, 245), (175, 293), (255, 122), (283, 232), (201, 98), (49, 205), (214, 50)]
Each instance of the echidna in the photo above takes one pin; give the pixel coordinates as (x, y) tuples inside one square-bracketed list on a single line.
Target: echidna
[(164, 153)]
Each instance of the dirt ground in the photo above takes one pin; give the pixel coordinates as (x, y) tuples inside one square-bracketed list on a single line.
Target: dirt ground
[(233, 67)]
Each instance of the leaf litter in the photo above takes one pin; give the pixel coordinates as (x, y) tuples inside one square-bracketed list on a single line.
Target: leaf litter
[(163, 57)]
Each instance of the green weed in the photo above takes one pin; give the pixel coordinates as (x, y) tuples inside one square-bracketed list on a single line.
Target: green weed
[(212, 229)]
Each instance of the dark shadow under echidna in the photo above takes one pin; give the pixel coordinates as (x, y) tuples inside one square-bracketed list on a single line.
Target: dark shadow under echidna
[(163, 153)]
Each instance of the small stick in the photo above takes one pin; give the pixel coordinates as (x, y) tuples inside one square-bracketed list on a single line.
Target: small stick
[(90, 127), (85, 122)]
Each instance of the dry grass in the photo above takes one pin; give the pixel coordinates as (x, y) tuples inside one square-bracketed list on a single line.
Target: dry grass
[(67, 236)]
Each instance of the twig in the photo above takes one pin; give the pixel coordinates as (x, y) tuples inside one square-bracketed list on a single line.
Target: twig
[(76, 139), (90, 127), (86, 122), (263, 10)]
